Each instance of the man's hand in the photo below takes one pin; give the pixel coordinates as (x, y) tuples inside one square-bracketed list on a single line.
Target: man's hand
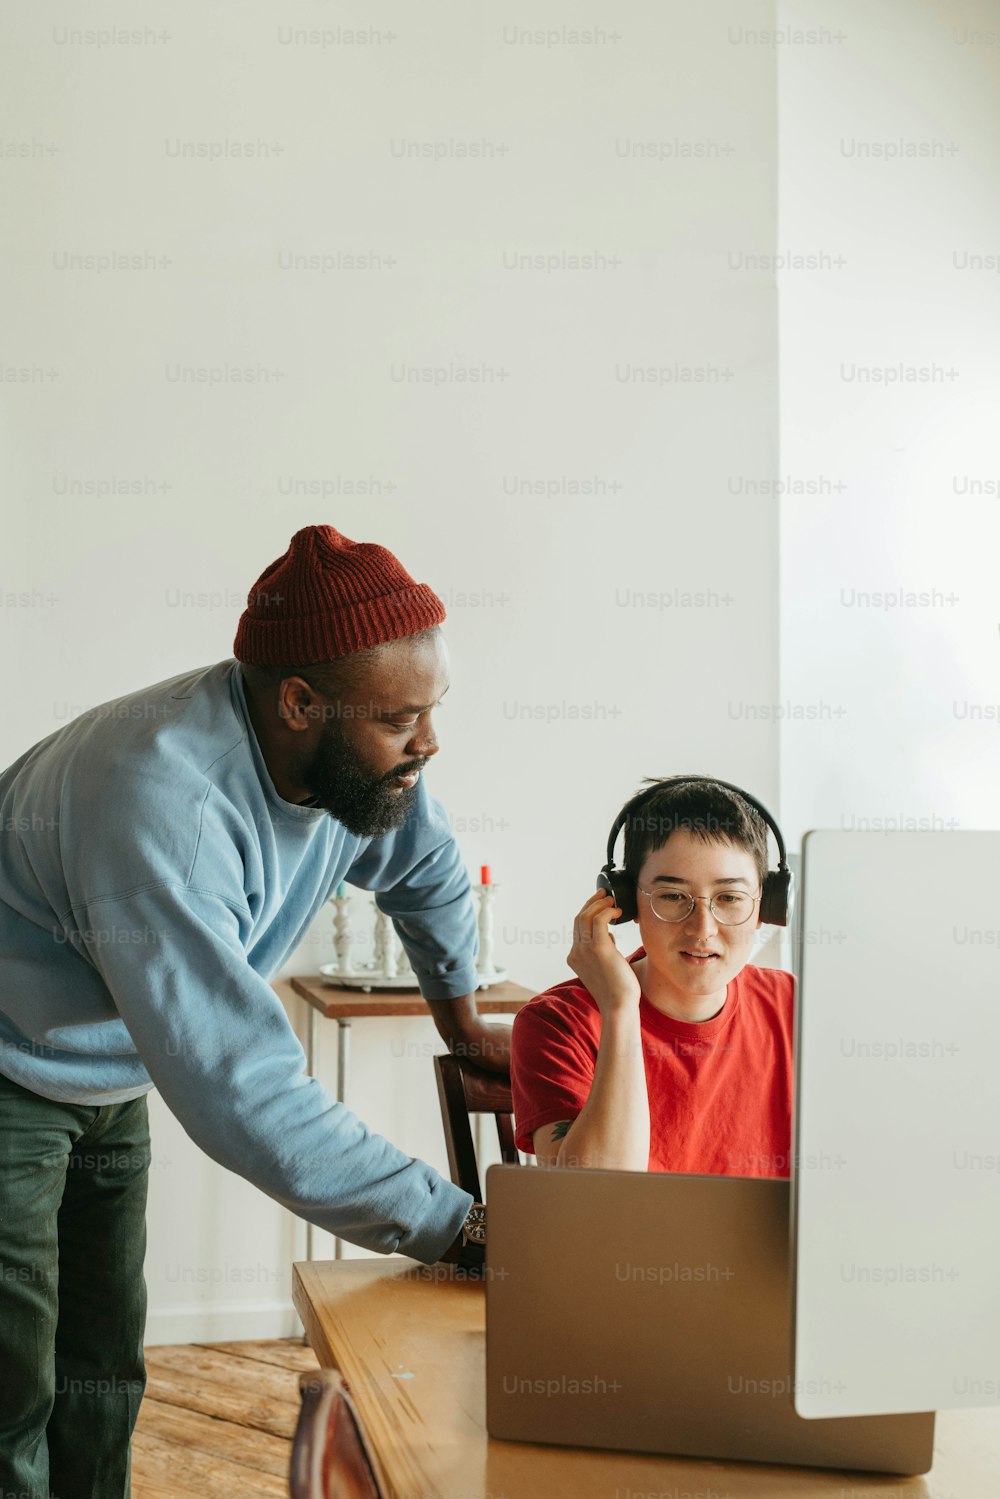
[(596, 961), (469, 1037)]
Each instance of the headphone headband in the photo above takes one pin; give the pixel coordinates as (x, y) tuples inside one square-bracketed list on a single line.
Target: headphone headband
[(650, 791)]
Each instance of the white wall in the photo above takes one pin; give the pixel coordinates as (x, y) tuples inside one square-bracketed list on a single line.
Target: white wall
[(910, 471), (651, 148)]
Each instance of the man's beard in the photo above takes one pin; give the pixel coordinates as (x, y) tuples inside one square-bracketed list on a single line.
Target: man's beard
[(367, 805)]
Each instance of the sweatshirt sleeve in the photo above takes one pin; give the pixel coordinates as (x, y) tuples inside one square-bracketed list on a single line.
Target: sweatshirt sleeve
[(218, 1045), (421, 881)]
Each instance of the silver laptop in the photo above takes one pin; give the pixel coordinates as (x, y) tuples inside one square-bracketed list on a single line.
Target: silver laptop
[(651, 1312)]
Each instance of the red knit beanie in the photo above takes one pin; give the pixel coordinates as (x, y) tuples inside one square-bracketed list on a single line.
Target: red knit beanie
[(329, 596)]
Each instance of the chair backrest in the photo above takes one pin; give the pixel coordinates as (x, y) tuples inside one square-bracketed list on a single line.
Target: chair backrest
[(464, 1090), (329, 1456)]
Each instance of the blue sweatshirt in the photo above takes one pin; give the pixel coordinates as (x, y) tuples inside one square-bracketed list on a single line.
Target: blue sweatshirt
[(151, 882)]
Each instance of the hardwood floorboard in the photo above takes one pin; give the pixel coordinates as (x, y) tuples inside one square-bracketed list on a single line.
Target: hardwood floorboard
[(170, 1463), (148, 1488), (288, 1353), (215, 1438), (217, 1420), (241, 1377)]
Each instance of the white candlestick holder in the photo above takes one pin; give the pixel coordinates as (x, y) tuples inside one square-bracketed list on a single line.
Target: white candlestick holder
[(389, 966)]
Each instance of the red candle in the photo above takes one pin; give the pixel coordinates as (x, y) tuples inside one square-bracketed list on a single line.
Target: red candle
[(485, 877)]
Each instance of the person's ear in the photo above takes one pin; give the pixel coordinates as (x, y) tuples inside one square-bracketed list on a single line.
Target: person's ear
[(298, 703)]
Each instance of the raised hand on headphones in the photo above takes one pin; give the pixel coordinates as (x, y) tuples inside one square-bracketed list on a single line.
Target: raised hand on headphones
[(596, 960)]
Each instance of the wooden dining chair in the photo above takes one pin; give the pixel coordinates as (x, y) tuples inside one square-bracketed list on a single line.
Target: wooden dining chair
[(464, 1090), (329, 1455)]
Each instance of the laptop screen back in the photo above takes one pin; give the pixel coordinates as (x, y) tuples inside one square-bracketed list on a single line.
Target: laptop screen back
[(896, 1195)]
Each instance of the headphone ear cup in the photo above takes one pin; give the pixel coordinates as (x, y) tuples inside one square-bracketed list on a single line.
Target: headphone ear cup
[(774, 899), (621, 887)]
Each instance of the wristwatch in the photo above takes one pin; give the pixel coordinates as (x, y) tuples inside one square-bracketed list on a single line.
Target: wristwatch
[(469, 1249), (474, 1227)]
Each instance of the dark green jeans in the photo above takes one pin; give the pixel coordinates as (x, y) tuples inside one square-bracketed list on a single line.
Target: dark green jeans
[(72, 1296)]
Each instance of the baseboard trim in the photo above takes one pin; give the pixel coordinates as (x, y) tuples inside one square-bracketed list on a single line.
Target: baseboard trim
[(228, 1323)]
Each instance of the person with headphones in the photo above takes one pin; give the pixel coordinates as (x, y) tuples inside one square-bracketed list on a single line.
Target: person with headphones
[(679, 1056)]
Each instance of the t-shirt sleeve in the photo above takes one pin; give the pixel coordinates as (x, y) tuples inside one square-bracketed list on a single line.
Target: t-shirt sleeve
[(553, 1056)]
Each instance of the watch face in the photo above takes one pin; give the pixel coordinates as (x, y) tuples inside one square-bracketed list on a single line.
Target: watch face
[(475, 1224)]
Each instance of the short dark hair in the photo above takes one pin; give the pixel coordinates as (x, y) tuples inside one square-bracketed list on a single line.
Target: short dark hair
[(704, 808)]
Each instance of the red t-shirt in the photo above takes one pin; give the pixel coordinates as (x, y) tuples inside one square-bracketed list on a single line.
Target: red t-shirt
[(720, 1090)]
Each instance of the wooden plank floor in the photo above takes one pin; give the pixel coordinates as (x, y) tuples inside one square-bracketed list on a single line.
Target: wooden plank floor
[(217, 1420)]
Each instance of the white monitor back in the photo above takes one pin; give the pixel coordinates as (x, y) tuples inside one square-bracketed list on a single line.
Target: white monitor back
[(896, 1186)]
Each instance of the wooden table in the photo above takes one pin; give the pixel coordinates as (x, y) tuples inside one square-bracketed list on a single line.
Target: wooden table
[(331, 1002), (345, 1005), (410, 1341)]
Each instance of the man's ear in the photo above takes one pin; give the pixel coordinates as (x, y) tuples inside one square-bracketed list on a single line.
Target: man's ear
[(298, 703)]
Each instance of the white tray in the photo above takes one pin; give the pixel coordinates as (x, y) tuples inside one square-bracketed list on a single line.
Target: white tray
[(371, 981)]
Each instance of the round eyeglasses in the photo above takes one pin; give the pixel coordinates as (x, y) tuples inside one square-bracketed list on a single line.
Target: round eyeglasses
[(729, 907)]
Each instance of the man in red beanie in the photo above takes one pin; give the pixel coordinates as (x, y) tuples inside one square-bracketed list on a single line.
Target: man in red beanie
[(344, 662), (167, 852)]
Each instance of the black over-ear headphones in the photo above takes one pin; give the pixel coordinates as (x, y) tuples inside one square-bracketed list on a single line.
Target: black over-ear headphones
[(775, 899)]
